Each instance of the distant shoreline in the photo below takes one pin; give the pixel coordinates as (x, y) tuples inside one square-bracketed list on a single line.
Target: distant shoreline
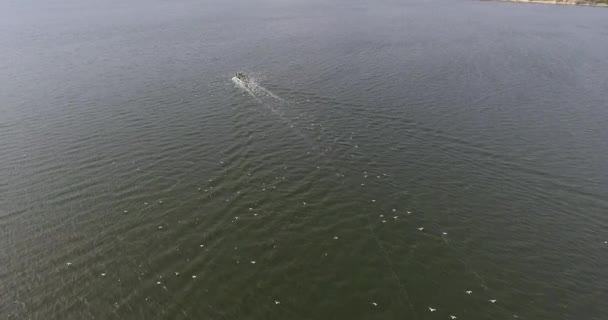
[(559, 2)]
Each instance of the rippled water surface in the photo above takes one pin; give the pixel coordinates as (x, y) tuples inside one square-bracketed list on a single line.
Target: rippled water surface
[(385, 160)]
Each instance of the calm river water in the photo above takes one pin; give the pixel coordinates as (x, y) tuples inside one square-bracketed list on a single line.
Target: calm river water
[(385, 160)]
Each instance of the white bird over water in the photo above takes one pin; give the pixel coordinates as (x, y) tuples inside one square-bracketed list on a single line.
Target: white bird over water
[(492, 300), (277, 302), (432, 309), (453, 317), (375, 304), (420, 229), (469, 291)]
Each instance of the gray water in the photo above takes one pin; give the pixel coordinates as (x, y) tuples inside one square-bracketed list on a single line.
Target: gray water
[(385, 158)]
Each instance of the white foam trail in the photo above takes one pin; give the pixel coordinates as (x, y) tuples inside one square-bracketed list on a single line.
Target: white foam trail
[(271, 101), (267, 92), (243, 85), (254, 88), (256, 91)]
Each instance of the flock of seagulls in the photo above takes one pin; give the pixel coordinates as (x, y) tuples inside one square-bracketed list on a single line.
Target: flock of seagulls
[(277, 302), (335, 237), (366, 174), (430, 308)]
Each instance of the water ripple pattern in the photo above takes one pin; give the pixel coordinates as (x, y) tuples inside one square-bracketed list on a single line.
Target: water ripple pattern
[(420, 160)]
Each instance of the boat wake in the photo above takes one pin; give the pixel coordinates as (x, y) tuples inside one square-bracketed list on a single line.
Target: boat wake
[(340, 152), (252, 87), (263, 96)]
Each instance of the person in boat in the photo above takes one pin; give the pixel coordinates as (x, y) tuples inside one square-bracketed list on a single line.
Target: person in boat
[(241, 76)]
